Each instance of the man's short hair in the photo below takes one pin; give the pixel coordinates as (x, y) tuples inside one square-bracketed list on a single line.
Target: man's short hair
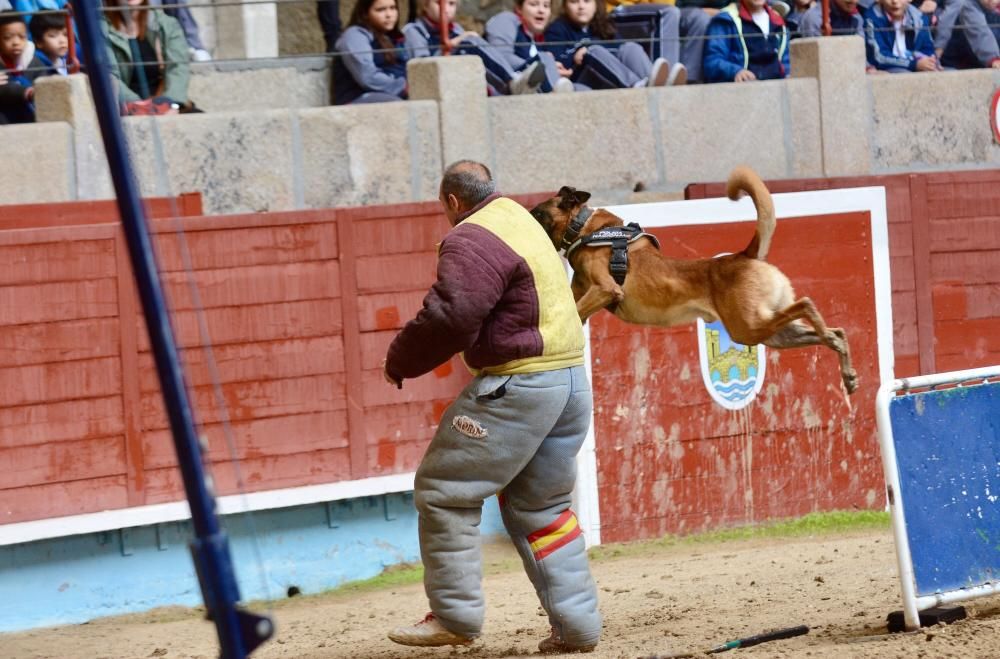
[(470, 182), (9, 16), (42, 23)]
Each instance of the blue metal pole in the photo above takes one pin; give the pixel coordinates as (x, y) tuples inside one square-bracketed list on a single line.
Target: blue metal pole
[(239, 631)]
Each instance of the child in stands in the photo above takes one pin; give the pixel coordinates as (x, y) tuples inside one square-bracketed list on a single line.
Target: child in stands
[(370, 66), (423, 39), (518, 34), (585, 41), (898, 39), (746, 41), (48, 31), (16, 53)]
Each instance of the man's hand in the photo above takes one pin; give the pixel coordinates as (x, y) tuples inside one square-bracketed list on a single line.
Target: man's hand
[(389, 378), (578, 56), (566, 73), (927, 64), (746, 75), (995, 64)]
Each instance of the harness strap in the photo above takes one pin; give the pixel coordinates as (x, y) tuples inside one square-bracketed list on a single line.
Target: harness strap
[(573, 231), (618, 238)]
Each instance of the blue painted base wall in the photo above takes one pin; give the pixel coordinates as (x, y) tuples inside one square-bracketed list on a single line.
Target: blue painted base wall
[(313, 548)]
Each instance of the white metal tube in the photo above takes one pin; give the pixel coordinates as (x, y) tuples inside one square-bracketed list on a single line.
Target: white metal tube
[(936, 379), (984, 590), (891, 469)]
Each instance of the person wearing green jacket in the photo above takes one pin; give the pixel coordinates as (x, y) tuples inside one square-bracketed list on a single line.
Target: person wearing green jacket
[(148, 53)]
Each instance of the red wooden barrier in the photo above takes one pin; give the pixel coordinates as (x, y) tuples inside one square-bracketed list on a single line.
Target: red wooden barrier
[(300, 307)]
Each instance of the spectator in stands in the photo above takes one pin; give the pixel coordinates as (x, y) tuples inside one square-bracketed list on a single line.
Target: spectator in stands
[(48, 31), (793, 19), (423, 39), (16, 53), (517, 34), (183, 14), (328, 13), (610, 65), (30, 7), (149, 57), (370, 66), (845, 19), (968, 34), (897, 38), (746, 41), (678, 30)]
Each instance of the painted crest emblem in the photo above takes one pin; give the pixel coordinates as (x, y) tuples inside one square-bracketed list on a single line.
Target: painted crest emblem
[(733, 373)]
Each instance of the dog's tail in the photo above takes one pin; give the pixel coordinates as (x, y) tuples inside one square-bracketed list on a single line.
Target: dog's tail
[(745, 179)]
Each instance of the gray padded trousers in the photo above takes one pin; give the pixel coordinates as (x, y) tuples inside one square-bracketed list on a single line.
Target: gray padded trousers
[(517, 436)]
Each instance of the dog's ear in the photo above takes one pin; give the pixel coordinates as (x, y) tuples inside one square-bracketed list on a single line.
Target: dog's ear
[(581, 197), (566, 192)]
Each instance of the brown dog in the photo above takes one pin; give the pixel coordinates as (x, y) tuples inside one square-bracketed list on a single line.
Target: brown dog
[(752, 298)]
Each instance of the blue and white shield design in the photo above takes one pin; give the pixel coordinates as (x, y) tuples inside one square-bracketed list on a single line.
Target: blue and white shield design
[(733, 373)]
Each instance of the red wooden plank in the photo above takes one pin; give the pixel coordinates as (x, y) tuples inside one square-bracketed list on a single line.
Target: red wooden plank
[(967, 360), (27, 425), (127, 308), (405, 422), (243, 246), (901, 273), (41, 343), (244, 362), (400, 235), (43, 303), (91, 378), (964, 198), (66, 261), (262, 284), (974, 338), (261, 322), (395, 457), (23, 466), (388, 311), (300, 434), (54, 214), (347, 237), (391, 274), (62, 499), (265, 473), (920, 224), (965, 234), (904, 322), (970, 267), (254, 400), (958, 301)]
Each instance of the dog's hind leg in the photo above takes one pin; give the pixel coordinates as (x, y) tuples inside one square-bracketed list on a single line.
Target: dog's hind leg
[(782, 332)]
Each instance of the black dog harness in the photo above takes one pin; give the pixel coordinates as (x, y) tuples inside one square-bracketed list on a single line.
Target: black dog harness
[(618, 238)]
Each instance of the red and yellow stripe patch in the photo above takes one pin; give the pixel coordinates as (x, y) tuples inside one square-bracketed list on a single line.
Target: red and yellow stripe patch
[(560, 532)]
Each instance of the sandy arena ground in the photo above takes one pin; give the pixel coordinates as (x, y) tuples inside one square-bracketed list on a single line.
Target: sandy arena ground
[(655, 600)]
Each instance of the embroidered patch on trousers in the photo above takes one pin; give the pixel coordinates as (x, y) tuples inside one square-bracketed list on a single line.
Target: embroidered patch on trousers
[(469, 427)]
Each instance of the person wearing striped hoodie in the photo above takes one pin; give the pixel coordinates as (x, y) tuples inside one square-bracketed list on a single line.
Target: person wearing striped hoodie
[(502, 299)]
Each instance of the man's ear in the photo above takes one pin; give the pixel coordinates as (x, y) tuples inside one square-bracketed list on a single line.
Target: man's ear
[(453, 203)]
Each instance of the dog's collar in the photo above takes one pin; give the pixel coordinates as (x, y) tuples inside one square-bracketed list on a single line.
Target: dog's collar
[(575, 225)]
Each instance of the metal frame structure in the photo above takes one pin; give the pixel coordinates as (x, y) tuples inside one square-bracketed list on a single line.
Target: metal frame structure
[(239, 631), (913, 603)]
